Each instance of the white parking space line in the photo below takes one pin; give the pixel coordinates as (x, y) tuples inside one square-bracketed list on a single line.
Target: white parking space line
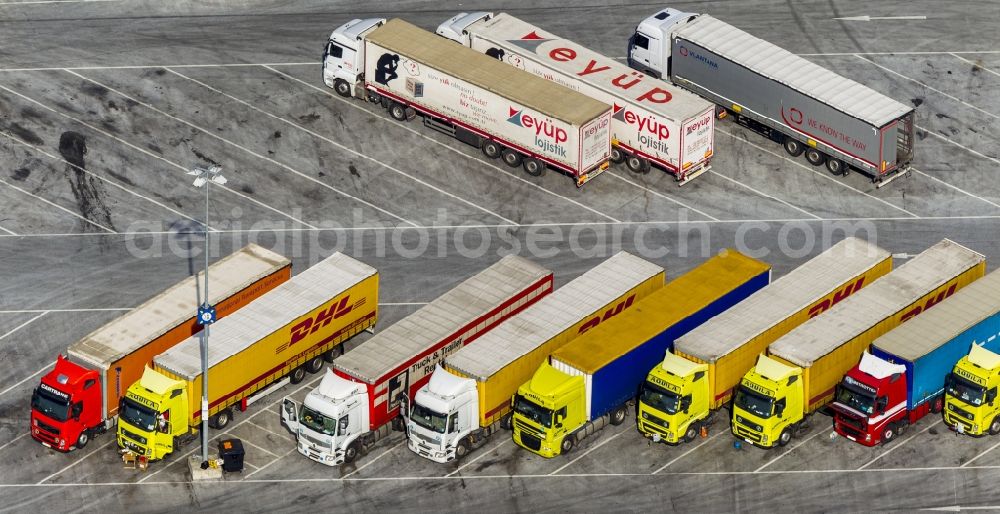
[(9, 231), (372, 461), (956, 188), (81, 459), (811, 170), (33, 375), (360, 155), (57, 206), (265, 466), (245, 149), (681, 456), (98, 177), (900, 75), (963, 147), (22, 325), (155, 66), (765, 195), (790, 450), (33, 2), (661, 195), (481, 455), (14, 440), (897, 445), (984, 452), (248, 443), (269, 431), (980, 66), (148, 153), (448, 147), (584, 454)]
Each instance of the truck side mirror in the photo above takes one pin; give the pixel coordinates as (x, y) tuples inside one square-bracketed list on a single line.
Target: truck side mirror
[(991, 395), (77, 409)]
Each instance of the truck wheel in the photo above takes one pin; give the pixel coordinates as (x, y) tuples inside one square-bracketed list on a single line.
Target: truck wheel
[(567, 443), (333, 353), (351, 452), (221, 419), (510, 157), (462, 449), (691, 433), (297, 375), (836, 166), (507, 422), (618, 416), (793, 147), (785, 437), (617, 155), (815, 157), (491, 149), (397, 111), (889, 433), (83, 439), (315, 364), (637, 164), (937, 405), (534, 167), (342, 88), (995, 426)]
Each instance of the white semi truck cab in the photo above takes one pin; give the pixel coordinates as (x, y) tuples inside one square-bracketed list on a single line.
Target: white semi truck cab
[(330, 424), (444, 412), (344, 58), (649, 46)]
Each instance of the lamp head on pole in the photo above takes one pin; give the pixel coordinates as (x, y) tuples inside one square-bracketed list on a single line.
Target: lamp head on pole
[(204, 175)]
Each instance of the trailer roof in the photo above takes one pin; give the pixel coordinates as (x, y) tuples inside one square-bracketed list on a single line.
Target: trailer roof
[(440, 319), (513, 32), (487, 73), (659, 311), (885, 297), (946, 321), (552, 315), (778, 64), (174, 306), (267, 314), (773, 304)]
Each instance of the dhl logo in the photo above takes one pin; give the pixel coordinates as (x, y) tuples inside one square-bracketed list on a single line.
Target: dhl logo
[(928, 304), (311, 325), (828, 302), (610, 313)]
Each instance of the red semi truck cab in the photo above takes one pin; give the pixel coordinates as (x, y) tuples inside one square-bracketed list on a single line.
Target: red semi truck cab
[(871, 401), (65, 404)]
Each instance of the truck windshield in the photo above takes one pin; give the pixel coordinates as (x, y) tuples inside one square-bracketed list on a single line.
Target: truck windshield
[(49, 404), (318, 422), (964, 390), (754, 403), (659, 398), (428, 419), (856, 399), (533, 411), (138, 415)]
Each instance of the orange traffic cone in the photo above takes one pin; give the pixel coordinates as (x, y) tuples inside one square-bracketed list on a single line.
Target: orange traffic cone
[(704, 431)]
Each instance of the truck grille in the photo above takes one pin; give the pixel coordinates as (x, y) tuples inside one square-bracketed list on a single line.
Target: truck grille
[(953, 420), (652, 427), (427, 439), (313, 441), (47, 428), (748, 423), (851, 429), (747, 433), (531, 442), (525, 428), (960, 412), (855, 423), (133, 436)]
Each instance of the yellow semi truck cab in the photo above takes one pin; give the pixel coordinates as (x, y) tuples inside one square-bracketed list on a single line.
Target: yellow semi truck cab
[(971, 405), (546, 409), (673, 401), (153, 415), (769, 403)]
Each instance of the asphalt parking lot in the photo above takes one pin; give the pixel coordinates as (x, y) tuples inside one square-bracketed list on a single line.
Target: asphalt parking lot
[(104, 106)]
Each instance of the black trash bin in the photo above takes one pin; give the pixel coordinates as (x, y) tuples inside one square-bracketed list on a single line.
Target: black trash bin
[(231, 452)]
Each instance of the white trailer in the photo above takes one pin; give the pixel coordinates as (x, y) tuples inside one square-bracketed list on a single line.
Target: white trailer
[(653, 121), (506, 112)]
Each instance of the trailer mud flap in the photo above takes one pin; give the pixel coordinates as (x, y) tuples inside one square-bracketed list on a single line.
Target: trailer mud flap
[(688, 177), (880, 183)]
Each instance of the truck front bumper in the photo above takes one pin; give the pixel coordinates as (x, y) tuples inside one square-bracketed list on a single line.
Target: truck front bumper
[(320, 455), (752, 436), (427, 452)]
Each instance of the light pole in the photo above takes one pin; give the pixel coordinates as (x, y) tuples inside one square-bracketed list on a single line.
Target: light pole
[(206, 312)]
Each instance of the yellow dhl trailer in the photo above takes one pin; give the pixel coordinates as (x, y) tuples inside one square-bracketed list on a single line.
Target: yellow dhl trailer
[(287, 332), (803, 368), (476, 384)]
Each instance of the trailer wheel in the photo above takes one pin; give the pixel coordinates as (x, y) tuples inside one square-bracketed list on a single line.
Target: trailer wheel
[(351, 453), (995, 426), (221, 419), (637, 164), (815, 157), (315, 364), (510, 157), (297, 375), (462, 449), (397, 111), (785, 437), (836, 166), (617, 155), (618, 415), (333, 353), (534, 167), (507, 422), (83, 439), (342, 88), (567, 444), (491, 149), (937, 405), (793, 147)]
